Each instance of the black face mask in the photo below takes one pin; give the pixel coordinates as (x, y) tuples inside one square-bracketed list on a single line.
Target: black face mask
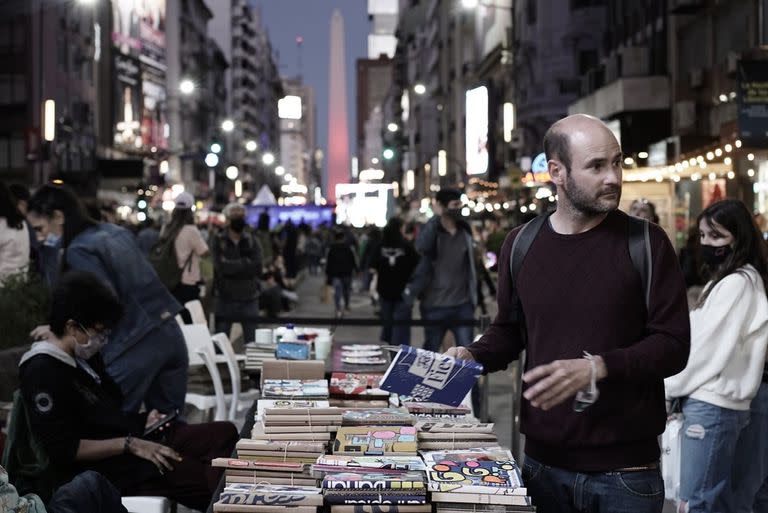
[(237, 224), (714, 256), (454, 213)]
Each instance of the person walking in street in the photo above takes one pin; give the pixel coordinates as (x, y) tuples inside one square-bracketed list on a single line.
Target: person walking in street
[(598, 345), (340, 266), (729, 335), (147, 236), (394, 260), (147, 355), (446, 278), (189, 246), (14, 236), (237, 269)]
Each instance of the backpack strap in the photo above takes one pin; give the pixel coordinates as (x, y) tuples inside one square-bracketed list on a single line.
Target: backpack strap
[(640, 253), (520, 247)]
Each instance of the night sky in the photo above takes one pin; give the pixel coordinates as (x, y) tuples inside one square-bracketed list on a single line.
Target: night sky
[(311, 19)]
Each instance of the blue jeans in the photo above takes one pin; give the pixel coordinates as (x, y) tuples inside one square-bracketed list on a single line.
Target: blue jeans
[(398, 310), (341, 287), (750, 468), (555, 490), (708, 448), (433, 335), (154, 370)]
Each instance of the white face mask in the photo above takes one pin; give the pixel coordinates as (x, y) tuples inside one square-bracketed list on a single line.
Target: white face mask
[(92, 346)]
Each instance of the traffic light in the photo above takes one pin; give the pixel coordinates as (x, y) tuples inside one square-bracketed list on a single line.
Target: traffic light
[(142, 207), (388, 153)]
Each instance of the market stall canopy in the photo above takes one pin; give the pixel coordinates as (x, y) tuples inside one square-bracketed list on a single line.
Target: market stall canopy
[(264, 197)]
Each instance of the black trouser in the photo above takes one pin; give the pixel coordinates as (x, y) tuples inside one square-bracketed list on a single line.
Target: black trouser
[(183, 294)]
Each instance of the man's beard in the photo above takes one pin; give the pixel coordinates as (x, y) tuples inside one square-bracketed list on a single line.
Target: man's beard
[(587, 203)]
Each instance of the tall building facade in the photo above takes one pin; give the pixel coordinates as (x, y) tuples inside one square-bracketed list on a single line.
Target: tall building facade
[(297, 130), (374, 78), (383, 15), (551, 53), (338, 162)]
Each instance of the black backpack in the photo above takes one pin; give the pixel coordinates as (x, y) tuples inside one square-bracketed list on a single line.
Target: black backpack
[(162, 256), (639, 252)]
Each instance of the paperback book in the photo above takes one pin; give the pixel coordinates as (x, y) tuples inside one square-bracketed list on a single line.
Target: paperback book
[(398, 464), (428, 376), (374, 481), (295, 389), (347, 384), (271, 495), (378, 417)]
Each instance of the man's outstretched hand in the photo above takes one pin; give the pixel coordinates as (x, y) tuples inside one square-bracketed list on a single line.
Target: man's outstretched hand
[(555, 382), (460, 353)]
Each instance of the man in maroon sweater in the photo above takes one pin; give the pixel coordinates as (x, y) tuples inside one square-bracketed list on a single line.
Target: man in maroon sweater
[(580, 293)]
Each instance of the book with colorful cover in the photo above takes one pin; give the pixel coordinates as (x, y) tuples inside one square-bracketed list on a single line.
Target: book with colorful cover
[(353, 384), (378, 417), (456, 473), (428, 376), (295, 389), (375, 440), (258, 466), (374, 481), (431, 408), (496, 453), (428, 426), (370, 463)]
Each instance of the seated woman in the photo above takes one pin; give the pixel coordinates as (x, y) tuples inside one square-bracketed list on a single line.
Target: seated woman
[(75, 411)]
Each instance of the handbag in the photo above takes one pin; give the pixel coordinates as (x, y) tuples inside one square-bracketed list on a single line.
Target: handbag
[(671, 449)]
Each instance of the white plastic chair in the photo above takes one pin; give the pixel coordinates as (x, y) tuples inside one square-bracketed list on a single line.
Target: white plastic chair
[(147, 504), (238, 399), (201, 352), (195, 309)]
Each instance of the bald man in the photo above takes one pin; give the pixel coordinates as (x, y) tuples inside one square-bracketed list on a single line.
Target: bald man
[(589, 333)]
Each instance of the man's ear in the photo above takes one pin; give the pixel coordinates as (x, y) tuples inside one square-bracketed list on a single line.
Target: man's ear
[(556, 171)]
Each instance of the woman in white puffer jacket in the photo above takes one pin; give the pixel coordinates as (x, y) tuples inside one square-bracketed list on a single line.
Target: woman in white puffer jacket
[(729, 336)]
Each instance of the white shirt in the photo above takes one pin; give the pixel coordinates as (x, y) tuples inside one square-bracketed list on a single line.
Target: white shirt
[(14, 249), (729, 336)]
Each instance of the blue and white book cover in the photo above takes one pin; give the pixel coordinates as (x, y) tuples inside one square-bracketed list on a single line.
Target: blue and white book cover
[(427, 376)]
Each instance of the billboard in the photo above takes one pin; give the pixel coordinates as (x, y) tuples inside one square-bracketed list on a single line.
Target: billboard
[(753, 102), (289, 107), (138, 29), (361, 204), (153, 115), (126, 106), (477, 130)]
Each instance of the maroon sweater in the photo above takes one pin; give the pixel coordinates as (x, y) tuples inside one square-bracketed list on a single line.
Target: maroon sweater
[(582, 293)]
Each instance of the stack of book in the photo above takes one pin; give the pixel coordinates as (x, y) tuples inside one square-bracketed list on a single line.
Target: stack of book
[(295, 420), (256, 353), (455, 435), (302, 452), (352, 488), (477, 480), (295, 389), (240, 471), (264, 498), (377, 417), (433, 411), (357, 391)]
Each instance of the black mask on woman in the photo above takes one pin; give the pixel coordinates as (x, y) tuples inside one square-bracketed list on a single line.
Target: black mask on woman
[(714, 256), (237, 224)]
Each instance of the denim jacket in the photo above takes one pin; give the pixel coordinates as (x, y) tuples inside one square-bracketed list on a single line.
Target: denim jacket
[(111, 253), (426, 245)]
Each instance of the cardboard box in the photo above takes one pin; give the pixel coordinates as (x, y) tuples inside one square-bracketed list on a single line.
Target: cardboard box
[(292, 369)]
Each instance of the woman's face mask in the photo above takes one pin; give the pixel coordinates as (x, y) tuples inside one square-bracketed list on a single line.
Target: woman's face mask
[(93, 344)]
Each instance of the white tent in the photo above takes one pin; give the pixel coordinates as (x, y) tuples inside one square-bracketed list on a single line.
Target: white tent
[(264, 197)]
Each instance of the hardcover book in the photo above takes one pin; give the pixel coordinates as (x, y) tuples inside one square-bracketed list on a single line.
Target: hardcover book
[(374, 497), (427, 376), (271, 495), (375, 440)]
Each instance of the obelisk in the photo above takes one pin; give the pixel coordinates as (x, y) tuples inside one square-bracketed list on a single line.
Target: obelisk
[(337, 167)]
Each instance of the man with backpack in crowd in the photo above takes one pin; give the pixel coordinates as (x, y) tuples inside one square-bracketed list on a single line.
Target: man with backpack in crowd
[(592, 296), (237, 271)]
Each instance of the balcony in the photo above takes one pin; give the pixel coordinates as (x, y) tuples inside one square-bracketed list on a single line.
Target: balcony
[(630, 94)]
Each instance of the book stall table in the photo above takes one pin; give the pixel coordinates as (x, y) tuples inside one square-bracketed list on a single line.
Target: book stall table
[(301, 453)]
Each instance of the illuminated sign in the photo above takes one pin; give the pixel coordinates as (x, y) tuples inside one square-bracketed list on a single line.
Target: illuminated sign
[(477, 130), (289, 107)]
